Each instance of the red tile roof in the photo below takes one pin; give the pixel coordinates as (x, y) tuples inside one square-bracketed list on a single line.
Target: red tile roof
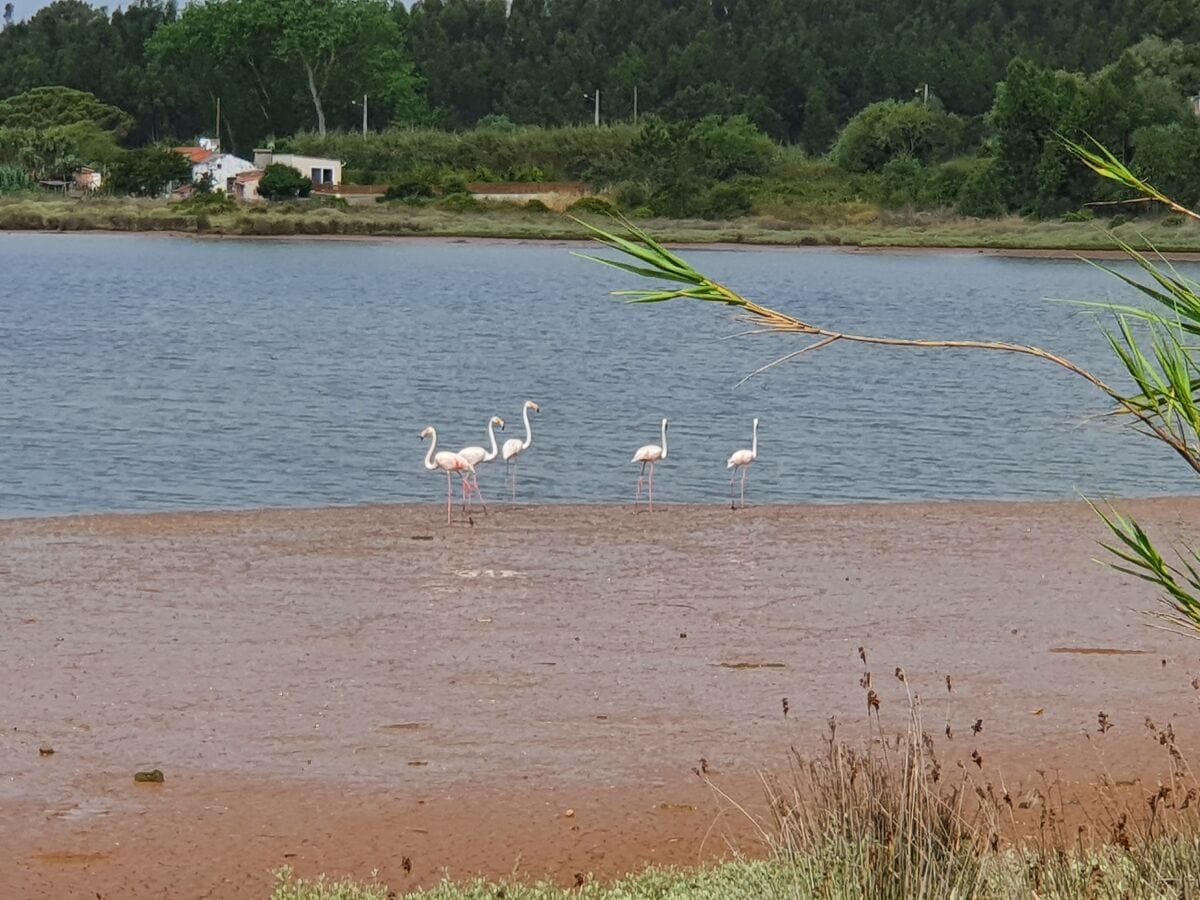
[(194, 154)]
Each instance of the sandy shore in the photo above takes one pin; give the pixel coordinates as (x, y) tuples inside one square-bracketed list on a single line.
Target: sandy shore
[(344, 689)]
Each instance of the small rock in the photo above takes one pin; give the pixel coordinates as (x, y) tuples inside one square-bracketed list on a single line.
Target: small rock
[(154, 776), (570, 814), (45, 750)]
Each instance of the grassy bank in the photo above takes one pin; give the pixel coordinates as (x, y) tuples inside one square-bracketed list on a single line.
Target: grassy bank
[(1170, 869), (857, 228)]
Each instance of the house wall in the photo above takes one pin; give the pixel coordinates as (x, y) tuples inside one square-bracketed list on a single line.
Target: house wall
[(246, 190), (329, 171), (221, 168)]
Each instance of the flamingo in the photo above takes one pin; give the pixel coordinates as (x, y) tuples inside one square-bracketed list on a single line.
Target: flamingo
[(741, 459), (477, 455), (513, 447), (449, 463), (648, 456)]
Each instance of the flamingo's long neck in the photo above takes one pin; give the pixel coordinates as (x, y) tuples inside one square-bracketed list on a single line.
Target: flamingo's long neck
[(432, 446), (754, 442), (528, 430), (664, 438), (492, 435)]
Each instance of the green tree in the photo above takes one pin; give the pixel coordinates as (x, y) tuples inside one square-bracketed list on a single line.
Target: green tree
[(46, 107), (889, 130), (280, 67), (149, 172), (281, 182)]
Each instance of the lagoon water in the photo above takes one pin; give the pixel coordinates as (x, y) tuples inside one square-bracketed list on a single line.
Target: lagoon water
[(148, 373)]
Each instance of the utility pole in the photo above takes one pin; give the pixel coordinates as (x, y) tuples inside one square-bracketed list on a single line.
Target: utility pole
[(597, 107), (364, 115), (218, 123), (635, 104), (923, 89)]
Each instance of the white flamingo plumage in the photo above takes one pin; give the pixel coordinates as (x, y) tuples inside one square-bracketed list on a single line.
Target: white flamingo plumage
[(477, 455), (742, 459), (648, 456), (449, 463), (513, 447)]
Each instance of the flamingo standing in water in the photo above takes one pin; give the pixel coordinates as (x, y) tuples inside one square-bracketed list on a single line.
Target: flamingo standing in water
[(648, 456), (477, 455), (513, 447), (741, 459), (449, 463)]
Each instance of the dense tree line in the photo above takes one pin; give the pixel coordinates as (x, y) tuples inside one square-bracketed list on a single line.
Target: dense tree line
[(797, 68), (932, 103)]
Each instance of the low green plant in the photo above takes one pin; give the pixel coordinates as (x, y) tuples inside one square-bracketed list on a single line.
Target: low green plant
[(282, 182), (14, 178), (1079, 215), (409, 189), (459, 203), (593, 205)]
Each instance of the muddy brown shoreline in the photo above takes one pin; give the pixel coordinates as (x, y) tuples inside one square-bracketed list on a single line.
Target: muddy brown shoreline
[(565, 242), (339, 689)]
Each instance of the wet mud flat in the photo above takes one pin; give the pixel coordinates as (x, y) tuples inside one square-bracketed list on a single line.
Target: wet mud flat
[(366, 688)]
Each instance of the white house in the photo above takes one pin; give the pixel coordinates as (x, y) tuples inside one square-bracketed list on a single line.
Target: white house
[(207, 159), (320, 169)]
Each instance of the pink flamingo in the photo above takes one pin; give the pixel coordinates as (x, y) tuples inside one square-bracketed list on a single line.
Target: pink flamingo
[(648, 456), (477, 455), (741, 459), (449, 463), (513, 447)]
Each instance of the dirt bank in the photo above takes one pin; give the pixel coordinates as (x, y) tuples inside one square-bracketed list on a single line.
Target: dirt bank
[(339, 689)]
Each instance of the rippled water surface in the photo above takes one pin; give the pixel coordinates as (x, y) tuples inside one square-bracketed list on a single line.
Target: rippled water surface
[(162, 373)]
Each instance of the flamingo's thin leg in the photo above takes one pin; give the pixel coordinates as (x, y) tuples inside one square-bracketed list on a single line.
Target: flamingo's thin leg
[(650, 488), (731, 481), (745, 473), (478, 493), (449, 494)]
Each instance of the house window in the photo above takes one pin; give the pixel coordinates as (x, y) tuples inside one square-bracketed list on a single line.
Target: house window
[(315, 175), (328, 173)]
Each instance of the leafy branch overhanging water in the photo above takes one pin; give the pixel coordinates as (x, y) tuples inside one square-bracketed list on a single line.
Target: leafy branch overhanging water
[(1164, 368)]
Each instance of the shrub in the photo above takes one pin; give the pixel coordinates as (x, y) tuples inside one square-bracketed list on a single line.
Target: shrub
[(630, 194), (1079, 215), (593, 205), (459, 203), (536, 205), (409, 189), (495, 122), (14, 178), (207, 203), (944, 182), (726, 200), (1118, 220), (281, 182), (982, 193), (901, 179)]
